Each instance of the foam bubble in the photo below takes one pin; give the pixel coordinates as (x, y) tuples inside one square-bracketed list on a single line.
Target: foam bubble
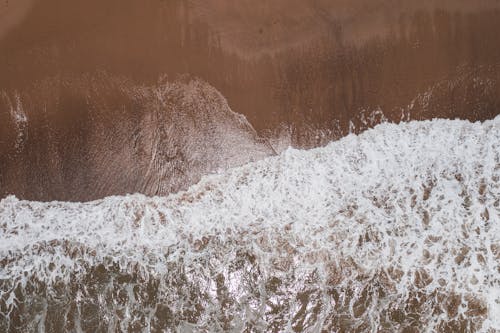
[(398, 227)]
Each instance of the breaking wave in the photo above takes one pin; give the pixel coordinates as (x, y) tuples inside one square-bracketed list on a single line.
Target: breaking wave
[(395, 229)]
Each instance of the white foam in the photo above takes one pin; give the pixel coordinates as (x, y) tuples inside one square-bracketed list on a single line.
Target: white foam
[(417, 200)]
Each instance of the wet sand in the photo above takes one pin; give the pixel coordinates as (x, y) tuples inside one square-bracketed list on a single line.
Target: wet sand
[(316, 68)]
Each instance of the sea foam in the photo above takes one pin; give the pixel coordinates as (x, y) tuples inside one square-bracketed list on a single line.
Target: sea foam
[(395, 229)]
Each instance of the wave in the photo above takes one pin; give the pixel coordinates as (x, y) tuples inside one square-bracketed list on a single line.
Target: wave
[(395, 229)]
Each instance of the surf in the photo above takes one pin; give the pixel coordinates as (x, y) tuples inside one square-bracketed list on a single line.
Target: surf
[(394, 229)]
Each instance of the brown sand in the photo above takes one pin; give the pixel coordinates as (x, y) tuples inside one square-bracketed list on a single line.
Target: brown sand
[(314, 65), (13, 13)]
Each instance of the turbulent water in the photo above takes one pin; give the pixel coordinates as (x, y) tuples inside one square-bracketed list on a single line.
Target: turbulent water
[(393, 230), (192, 106)]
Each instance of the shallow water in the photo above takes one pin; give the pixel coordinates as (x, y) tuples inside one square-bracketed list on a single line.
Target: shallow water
[(73, 76), (395, 229), (163, 130)]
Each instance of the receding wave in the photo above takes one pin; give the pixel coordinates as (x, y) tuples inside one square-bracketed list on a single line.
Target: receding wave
[(396, 229), (87, 137)]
